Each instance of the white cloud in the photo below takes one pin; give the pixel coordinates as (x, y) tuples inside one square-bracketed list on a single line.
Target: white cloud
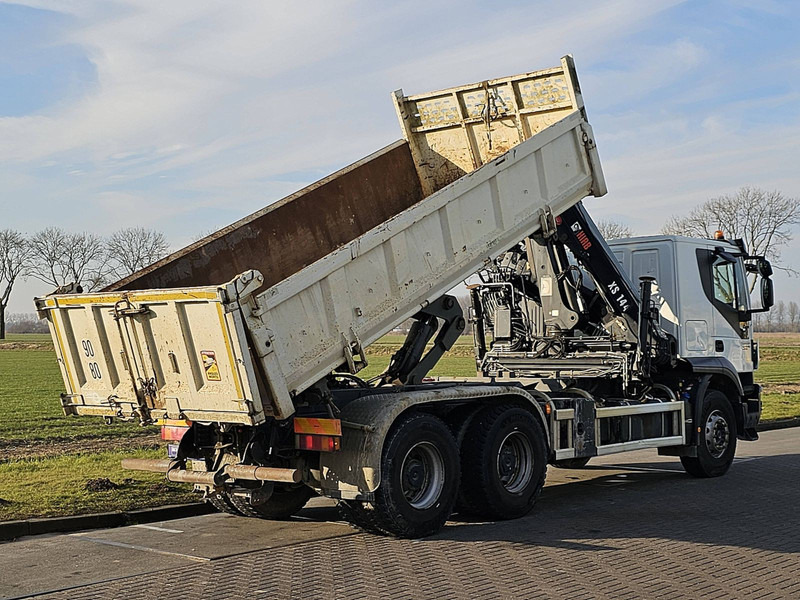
[(162, 77), (203, 111), (665, 179)]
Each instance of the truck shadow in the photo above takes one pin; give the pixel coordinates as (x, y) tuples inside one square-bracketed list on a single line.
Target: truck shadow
[(753, 506)]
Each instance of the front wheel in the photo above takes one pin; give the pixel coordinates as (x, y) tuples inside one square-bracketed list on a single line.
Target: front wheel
[(717, 445), (419, 481)]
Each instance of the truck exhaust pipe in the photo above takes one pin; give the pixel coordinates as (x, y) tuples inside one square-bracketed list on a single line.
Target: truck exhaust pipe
[(250, 472)]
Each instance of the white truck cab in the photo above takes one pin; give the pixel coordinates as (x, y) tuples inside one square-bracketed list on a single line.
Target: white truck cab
[(702, 292)]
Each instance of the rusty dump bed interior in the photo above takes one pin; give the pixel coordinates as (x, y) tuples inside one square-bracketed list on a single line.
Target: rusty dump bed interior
[(292, 233)]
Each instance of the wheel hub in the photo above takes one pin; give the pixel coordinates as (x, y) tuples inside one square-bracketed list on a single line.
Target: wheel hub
[(415, 474), (515, 462), (717, 434), (508, 461), (422, 475)]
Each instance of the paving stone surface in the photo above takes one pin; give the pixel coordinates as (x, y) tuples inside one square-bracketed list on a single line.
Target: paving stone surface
[(628, 526)]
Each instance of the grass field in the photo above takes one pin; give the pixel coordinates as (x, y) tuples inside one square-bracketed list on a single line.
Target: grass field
[(779, 373), (46, 459), (65, 485), (30, 338)]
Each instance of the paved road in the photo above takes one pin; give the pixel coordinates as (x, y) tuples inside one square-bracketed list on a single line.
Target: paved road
[(630, 526)]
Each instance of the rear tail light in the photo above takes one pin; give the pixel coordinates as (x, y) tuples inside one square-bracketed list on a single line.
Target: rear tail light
[(173, 430), (318, 443), (319, 435), (171, 433)]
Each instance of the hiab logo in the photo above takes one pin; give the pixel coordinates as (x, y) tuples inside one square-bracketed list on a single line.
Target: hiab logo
[(581, 235)]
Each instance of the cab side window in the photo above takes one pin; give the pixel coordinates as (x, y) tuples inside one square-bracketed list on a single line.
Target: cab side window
[(724, 279), (725, 285)]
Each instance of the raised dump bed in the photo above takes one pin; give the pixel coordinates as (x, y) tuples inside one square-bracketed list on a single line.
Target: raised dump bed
[(447, 134), (240, 351)]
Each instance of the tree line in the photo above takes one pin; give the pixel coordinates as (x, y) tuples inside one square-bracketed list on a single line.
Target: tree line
[(58, 257), (763, 219), (783, 316)]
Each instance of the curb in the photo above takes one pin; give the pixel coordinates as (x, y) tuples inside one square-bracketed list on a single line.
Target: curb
[(779, 424), (11, 530)]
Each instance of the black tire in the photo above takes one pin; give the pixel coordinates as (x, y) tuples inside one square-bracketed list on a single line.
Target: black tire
[(420, 475), (504, 463), (284, 502), (572, 463), (362, 516), (223, 504), (717, 445), (459, 425)]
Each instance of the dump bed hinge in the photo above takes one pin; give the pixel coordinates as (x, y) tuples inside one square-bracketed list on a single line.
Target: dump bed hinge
[(547, 223), (354, 353)]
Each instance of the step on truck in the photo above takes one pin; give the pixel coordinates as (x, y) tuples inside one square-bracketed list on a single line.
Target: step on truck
[(247, 345)]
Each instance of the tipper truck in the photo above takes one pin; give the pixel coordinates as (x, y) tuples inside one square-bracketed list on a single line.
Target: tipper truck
[(247, 345)]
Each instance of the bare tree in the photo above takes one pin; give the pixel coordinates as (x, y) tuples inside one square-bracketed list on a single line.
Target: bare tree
[(761, 218), (613, 230), (758, 322), (59, 258), (769, 319), (15, 255), (780, 316), (134, 248), (794, 313)]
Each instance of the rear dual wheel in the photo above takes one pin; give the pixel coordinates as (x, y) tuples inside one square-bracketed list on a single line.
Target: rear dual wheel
[(222, 503), (503, 463), (420, 474), (499, 474), (284, 502)]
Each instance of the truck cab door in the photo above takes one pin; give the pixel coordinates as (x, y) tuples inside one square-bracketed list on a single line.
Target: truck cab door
[(731, 320)]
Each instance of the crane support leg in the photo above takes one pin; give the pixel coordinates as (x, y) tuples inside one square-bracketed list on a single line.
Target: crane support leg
[(408, 365)]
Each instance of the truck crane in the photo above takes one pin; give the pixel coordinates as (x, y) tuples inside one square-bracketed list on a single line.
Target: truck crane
[(247, 345)]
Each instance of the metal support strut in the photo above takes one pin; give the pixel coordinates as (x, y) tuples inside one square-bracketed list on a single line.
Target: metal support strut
[(407, 364)]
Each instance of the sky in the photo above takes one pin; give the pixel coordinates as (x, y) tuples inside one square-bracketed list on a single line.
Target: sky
[(184, 116)]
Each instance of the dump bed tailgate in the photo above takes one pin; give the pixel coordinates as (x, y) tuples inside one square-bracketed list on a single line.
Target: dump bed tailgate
[(176, 353)]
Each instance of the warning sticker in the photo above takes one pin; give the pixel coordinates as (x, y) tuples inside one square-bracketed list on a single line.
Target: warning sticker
[(210, 365)]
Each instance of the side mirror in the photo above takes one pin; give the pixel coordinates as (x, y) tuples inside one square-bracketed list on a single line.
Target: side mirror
[(758, 264), (767, 293), (764, 269)]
